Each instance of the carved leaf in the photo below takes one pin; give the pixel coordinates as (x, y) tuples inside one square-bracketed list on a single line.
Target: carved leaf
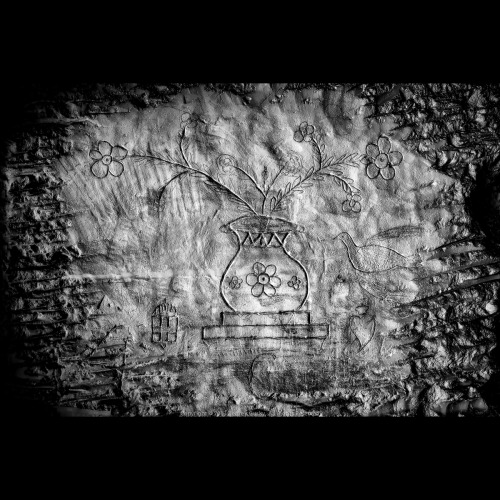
[(398, 232)]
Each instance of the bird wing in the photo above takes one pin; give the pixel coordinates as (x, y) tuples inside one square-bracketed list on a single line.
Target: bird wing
[(373, 258), (397, 286), (372, 286)]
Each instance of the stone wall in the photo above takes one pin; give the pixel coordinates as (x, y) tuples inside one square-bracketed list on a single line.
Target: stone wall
[(251, 249)]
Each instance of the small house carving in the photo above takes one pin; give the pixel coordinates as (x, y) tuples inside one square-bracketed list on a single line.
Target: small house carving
[(165, 322)]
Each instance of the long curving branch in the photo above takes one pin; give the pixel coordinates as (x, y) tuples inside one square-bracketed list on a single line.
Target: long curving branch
[(189, 168)]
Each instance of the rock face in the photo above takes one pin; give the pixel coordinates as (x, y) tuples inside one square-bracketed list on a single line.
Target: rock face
[(256, 249)]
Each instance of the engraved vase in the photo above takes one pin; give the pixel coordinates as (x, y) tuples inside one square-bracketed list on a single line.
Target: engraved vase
[(263, 276)]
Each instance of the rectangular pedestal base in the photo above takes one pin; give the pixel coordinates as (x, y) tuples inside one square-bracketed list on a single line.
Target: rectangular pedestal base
[(280, 318), (318, 331)]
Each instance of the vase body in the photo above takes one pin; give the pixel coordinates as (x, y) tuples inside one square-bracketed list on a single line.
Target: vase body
[(263, 276)]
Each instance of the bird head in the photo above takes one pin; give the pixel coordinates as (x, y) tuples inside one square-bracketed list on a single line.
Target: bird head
[(344, 237)]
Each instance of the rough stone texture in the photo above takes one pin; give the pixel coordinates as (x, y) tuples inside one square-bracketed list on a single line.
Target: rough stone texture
[(115, 281)]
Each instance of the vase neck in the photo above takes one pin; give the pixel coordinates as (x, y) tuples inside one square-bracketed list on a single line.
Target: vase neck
[(263, 239)]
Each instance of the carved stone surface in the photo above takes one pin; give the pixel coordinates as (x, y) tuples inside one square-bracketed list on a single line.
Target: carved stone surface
[(292, 250)]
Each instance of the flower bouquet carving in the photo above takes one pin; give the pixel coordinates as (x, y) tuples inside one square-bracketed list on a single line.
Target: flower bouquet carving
[(256, 277)]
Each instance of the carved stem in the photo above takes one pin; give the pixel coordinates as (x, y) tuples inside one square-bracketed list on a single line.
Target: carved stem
[(337, 162), (187, 166), (269, 188), (319, 171), (254, 182)]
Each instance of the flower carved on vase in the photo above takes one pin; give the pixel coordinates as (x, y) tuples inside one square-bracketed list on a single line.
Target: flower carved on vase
[(107, 160), (294, 283), (235, 282), (263, 280), (380, 160)]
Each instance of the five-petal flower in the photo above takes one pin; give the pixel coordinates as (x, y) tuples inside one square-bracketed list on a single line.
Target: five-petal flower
[(107, 160), (263, 280), (381, 160)]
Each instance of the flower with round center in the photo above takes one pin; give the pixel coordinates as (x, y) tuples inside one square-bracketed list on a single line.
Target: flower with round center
[(263, 280), (235, 282), (226, 162), (107, 160), (381, 160)]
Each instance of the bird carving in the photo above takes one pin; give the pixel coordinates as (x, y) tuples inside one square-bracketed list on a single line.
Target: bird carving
[(374, 258)]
